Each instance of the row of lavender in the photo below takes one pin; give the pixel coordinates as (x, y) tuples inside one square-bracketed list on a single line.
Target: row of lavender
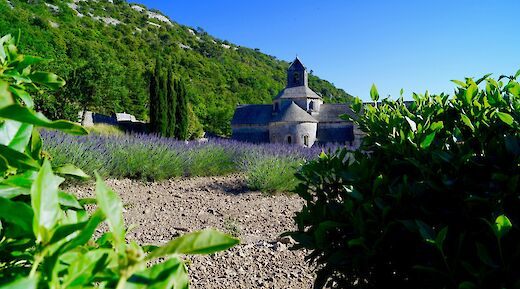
[(268, 167)]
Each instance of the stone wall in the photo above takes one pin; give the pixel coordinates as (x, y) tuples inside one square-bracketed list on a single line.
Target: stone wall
[(279, 132), (126, 121), (335, 132), (251, 133), (358, 137), (314, 105), (90, 118)]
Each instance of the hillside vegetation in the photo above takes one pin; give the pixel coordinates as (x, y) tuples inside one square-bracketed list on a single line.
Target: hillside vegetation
[(106, 51)]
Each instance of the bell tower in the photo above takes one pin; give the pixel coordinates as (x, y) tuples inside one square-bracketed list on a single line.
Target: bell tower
[(297, 74)]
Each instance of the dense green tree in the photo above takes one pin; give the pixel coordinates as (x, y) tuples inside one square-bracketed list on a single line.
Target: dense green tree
[(154, 97), (181, 116), (171, 107), (114, 60), (169, 110), (195, 129), (162, 104)]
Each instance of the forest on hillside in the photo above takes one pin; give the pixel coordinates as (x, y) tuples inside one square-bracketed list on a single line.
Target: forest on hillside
[(107, 51)]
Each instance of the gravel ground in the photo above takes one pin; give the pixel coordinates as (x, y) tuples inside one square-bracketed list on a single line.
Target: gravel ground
[(164, 210)]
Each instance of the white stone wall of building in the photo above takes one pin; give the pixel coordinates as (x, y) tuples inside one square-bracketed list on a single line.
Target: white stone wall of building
[(251, 133), (303, 134), (313, 106), (86, 118)]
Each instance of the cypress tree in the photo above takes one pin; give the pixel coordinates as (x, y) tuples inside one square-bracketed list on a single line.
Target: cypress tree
[(154, 97), (171, 104), (169, 115), (163, 105), (181, 116)]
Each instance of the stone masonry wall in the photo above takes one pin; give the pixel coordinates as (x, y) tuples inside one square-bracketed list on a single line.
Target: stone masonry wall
[(280, 131)]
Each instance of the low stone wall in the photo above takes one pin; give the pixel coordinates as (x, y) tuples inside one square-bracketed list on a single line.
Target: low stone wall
[(127, 122), (251, 133), (135, 127)]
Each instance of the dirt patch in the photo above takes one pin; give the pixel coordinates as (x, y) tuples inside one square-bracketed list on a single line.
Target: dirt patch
[(164, 210)]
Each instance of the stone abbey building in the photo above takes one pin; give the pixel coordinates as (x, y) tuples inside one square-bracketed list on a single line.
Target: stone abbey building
[(296, 116)]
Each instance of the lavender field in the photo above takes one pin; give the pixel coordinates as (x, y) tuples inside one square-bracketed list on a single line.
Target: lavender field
[(268, 167)]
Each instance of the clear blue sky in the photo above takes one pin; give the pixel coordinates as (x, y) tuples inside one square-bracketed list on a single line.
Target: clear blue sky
[(416, 45)]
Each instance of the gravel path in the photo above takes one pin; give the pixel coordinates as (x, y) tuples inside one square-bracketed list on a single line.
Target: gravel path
[(164, 210)]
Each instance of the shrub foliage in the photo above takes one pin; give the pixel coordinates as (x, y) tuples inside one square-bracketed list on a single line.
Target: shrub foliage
[(430, 201), (267, 167), (169, 111), (46, 234)]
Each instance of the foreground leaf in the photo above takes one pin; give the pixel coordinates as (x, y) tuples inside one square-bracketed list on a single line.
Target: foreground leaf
[(17, 159), (69, 200), (506, 118), (35, 146), (26, 115), (374, 95), (459, 83), (5, 95), (15, 134), (45, 202), (170, 274), (467, 122), (17, 185), (502, 226), (23, 283), (428, 140), (71, 170), (86, 232), (17, 213), (48, 79), (112, 207), (413, 125), (82, 270), (202, 242)]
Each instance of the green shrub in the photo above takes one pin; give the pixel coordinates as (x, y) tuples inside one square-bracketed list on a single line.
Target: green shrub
[(147, 163), (195, 130), (431, 201), (210, 161), (45, 233), (105, 129), (77, 153), (272, 174)]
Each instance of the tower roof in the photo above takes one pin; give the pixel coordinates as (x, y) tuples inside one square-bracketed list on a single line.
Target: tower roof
[(293, 113), (297, 64), (298, 92)]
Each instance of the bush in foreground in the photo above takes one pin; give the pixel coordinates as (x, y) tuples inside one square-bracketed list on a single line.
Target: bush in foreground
[(431, 201), (45, 233), (105, 129), (272, 175)]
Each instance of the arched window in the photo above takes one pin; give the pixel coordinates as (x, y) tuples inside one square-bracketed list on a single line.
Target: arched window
[(311, 105), (276, 106), (296, 77), (306, 140), (289, 139)]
